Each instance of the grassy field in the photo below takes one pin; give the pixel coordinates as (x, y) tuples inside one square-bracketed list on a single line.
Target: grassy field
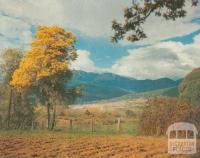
[(125, 128), (105, 130)]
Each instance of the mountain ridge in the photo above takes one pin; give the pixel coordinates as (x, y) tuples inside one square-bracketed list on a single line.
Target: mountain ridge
[(101, 86)]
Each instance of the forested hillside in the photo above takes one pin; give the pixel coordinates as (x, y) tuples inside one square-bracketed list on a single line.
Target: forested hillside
[(107, 85)]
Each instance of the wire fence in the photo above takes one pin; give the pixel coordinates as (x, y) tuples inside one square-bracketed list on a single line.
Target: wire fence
[(93, 125)]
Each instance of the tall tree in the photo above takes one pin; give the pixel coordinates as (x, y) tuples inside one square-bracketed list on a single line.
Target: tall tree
[(46, 66), (10, 59), (136, 15)]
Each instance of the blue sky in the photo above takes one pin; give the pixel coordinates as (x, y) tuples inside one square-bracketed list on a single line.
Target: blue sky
[(104, 52), (171, 49)]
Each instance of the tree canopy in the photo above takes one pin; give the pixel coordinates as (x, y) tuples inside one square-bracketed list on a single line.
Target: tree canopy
[(50, 52), (136, 15), (10, 59)]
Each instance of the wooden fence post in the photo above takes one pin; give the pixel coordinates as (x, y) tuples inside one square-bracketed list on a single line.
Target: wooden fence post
[(92, 124), (70, 124), (118, 124)]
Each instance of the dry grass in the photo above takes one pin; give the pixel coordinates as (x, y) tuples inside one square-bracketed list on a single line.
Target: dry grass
[(115, 105)]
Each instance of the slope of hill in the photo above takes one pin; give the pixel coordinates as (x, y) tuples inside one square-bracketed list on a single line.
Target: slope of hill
[(189, 88), (93, 92), (98, 86), (169, 92)]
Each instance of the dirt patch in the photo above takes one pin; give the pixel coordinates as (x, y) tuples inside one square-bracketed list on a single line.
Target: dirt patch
[(85, 147)]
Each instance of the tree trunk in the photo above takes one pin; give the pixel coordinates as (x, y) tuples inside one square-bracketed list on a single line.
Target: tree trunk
[(53, 119), (9, 108), (32, 124), (48, 116), (70, 125)]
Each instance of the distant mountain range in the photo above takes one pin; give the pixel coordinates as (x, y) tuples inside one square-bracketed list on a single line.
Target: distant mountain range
[(101, 86)]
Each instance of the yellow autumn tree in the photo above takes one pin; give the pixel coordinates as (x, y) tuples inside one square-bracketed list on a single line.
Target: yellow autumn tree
[(46, 66), (50, 53)]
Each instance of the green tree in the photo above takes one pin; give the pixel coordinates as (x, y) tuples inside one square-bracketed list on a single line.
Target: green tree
[(53, 91), (10, 59), (136, 15)]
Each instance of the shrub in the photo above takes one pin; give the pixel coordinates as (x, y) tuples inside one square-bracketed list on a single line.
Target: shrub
[(130, 113), (161, 112)]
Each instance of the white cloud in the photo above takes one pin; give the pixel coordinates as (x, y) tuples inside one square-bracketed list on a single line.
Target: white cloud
[(5, 43), (93, 17), (84, 62), (159, 29), (87, 16), (14, 32), (165, 59)]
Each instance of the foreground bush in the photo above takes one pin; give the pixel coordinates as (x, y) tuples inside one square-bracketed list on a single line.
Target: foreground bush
[(161, 112)]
